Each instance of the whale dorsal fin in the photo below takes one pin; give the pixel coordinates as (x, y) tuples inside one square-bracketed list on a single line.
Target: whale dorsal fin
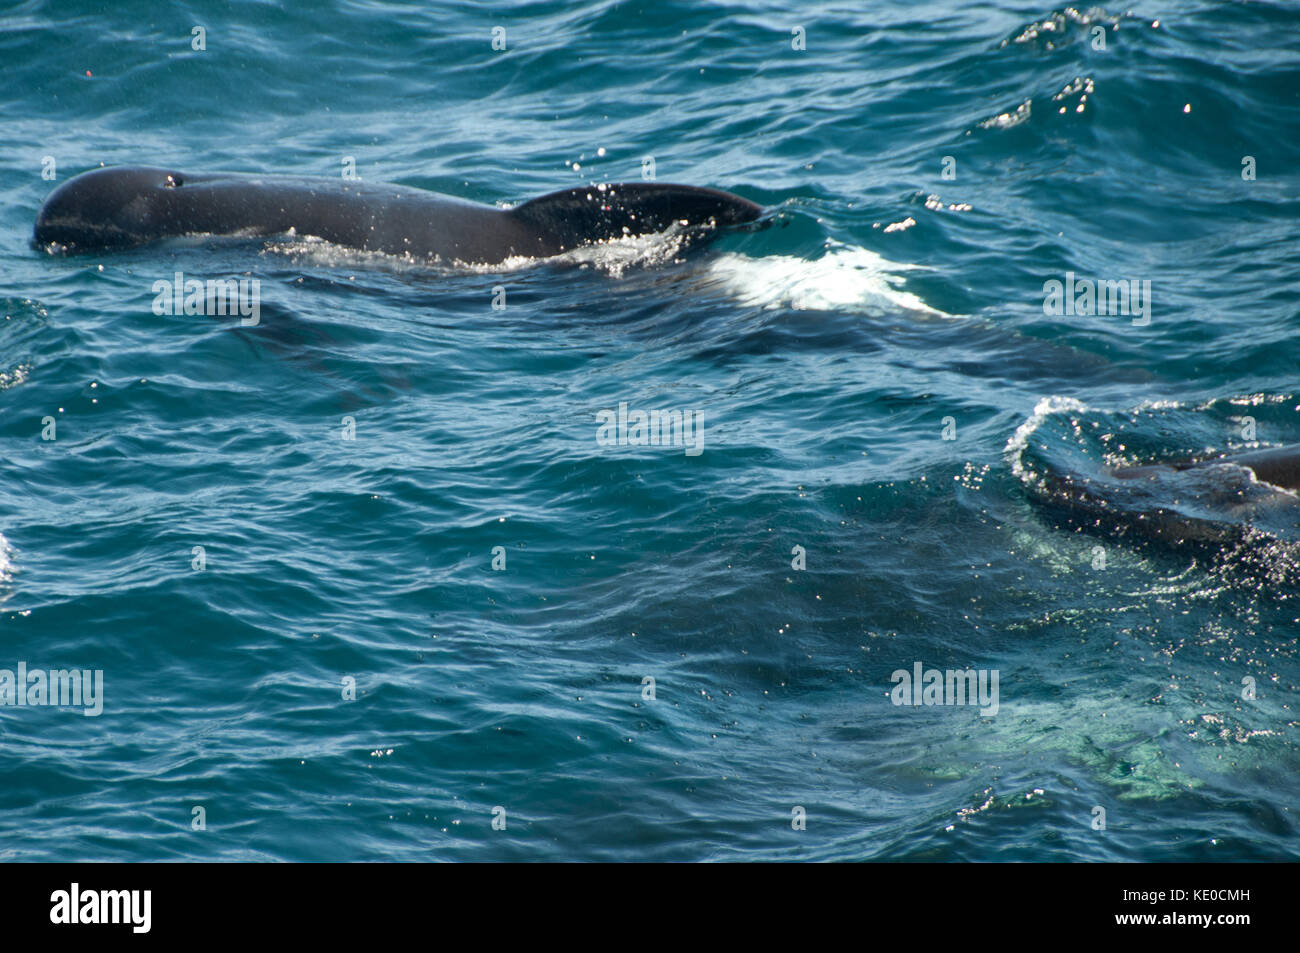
[(598, 213)]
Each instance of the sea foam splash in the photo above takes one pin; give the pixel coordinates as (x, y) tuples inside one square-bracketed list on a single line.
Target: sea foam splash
[(846, 278), (613, 256), (6, 561), (1019, 441)]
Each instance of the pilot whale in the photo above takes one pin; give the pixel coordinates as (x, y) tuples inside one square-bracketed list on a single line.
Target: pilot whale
[(1277, 466), (125, 206), (1190, 501)]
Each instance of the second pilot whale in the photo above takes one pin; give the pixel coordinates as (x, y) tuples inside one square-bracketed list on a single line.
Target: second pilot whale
[(125, 206), (1213, 500)]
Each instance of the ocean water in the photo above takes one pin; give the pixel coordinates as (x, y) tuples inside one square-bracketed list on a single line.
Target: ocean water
[(236, 523)]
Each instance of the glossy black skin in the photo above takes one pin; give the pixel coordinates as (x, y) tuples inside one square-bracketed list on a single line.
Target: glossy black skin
[(125, 206), (1279, 466)]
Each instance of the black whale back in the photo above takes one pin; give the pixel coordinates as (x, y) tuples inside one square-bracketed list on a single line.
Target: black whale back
[(126, 206), (574, 217)]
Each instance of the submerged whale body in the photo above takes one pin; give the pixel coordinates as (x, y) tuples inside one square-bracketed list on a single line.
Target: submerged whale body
[(1279, 466), (125, 206), (1207, 501)]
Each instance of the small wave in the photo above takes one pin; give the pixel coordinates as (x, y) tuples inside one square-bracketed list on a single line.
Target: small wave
[(846, 278), (1067, 26), (1045, 408), (613, 257), (616, 255)]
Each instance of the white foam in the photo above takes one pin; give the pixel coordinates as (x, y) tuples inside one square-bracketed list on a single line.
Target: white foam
[(613, 256), (1007, 120), (846, 278), (1047, 407), (618, 254), (12, 378), (6, 561)]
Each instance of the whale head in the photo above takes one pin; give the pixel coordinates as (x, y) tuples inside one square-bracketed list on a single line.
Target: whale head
[(110, 207)]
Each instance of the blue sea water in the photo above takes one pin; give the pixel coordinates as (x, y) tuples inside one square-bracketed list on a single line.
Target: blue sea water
[(929, 167)]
